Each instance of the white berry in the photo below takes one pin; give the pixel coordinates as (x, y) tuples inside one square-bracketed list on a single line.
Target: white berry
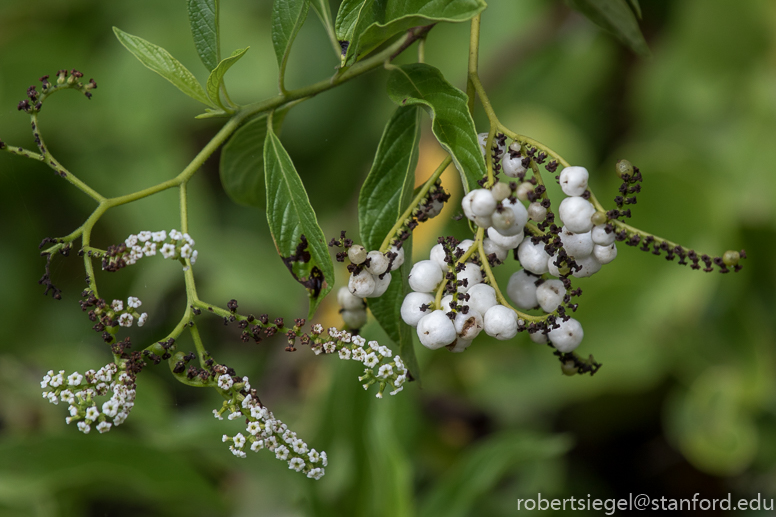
[(356, 254), (438, 255), (532, 256), (550, 295), (539, 337), (468, 325), (489, 246), (500, 322), (354, 319), (568, 336), (521, 217), (481, 298), (399, 259), (576, 244), (590, 266), (410, 307), (600, 236), (482, 201), (444, 303), (512, 166), (425, 276), (605, 254), (459, 345), (573, 180), (469, 276), (378, 263), (436, 330), (523, 190), (381, 285), (575, 212), (536, 212), (361, 284), (521, 289), (348, 301), (508, 242)]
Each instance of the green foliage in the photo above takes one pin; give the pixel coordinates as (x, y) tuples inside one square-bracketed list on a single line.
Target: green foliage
[(288, 16), (160, 61), (215, 80), (424, 85), (616, 17), (203, 18), (242, 161), (290, 216), (385, 195)]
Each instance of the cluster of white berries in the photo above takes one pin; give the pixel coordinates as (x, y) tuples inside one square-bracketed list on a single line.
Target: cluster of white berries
[(127, 316), (371, 275), (380, 368), (175, 245), (264, 431), (80, 391)]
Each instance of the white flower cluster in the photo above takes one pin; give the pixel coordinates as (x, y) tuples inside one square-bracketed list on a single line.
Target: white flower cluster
[(127, 316), (175, 245), (374, 356), (264, 431), (80, 391), (372, 275)]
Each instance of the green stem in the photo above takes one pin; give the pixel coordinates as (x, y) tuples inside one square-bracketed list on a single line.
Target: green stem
[(20, 151), (414, 204), (474, 47), (200, 347)]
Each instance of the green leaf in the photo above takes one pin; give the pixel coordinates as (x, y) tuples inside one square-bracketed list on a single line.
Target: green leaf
[(477, 473), (161, 62), (348, 16), (323, 10), (385, 194), (452, 124), (242, 161), (616, 17), (203, 17), (217, 75), (287, 18), (636, 7), (290, 217)]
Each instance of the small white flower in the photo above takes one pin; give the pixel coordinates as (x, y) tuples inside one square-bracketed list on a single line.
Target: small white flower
[(281, 452), (144, 236), (92, 413), (398, 362), (257, 445), (317, 329), (186, 251), (126, 319), (400, 380), (67, 396), (237, 452), (74, 379), (385, 371), (296, 464), (247, 401), (324, 459), (58, 379), (289, 436), (345, 337), (188, 239), (358, 340), (131, 241), (159, 236), (397, 390), (385, 351), (371, 360), (299, 446), (225, 382), (142, 319), (225, 438), (316, 473), (235, 415), (136, 253), (46, 379), (271, 443), (149, 250), (194, 256), (119, 418), (103, 427), (333, 332), (344, 353), (379, 394), (52, 397), (313, 456), (73, 411), (110, 408), (134, 302), (359, 355), (254, 428), (329, 347), (217, 414), (117, 305), (168, 251), (247, 383), (84, 427), (239, 440), (175, 235)]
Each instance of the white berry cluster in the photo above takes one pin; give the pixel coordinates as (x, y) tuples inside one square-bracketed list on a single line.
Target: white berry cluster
[(371, 275), (81, 391), (590, 245), (380, 368), (264, 431), (127, 316), (175, 245)]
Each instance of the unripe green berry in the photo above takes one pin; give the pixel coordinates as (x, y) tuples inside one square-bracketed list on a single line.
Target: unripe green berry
[(598, 218), (623, 167), (503, 219), (357, 254), (569, 368), (731, 258), (501, 191)]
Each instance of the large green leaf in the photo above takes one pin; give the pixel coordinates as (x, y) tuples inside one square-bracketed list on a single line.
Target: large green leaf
[(287, 18), (479, 470), (242, 161), (385, 195), (161, 62), (365, 25), (616, 17), (451, 122), (217, 75), (290, 217), (203, 17), (323, 10)]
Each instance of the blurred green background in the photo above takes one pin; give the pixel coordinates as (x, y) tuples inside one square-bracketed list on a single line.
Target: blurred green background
[(684, 402)]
